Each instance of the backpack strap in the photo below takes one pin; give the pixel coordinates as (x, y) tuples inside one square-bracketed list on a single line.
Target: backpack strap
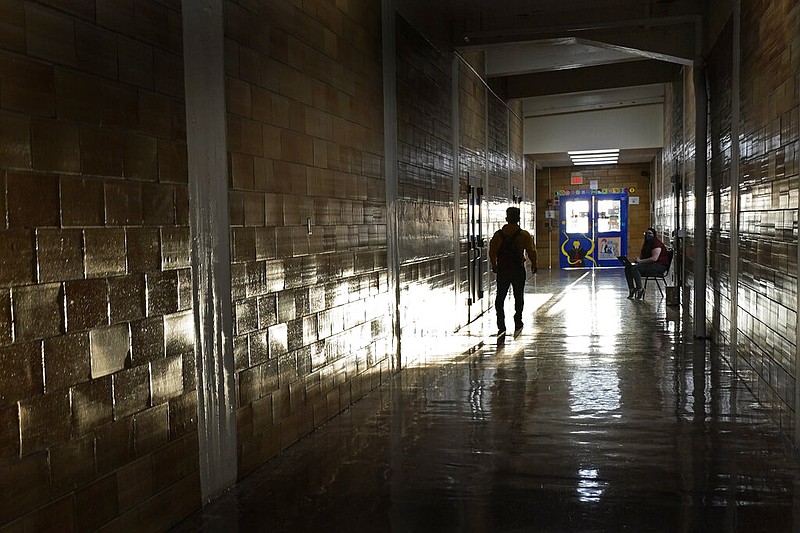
[(512, 237)]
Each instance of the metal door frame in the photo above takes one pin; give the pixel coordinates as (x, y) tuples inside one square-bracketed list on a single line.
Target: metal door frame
[(476, 244), (590, 257)]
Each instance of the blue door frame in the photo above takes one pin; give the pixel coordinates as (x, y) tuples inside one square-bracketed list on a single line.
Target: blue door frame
[(593, 229)]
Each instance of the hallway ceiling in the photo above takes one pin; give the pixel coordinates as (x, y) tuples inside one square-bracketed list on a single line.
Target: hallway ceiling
[(567, 56)]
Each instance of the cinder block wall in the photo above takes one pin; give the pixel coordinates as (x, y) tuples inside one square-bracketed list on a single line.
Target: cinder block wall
[(520, 177), (97, 385), (688, 178), (767, 193), (425, 187), (98, 401), (498, 166), (768, 199), (308, 216), (433, 293), (720, 72), (471, 161), (668, 169)]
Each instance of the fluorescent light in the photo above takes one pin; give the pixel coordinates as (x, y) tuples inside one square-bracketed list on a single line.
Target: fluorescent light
[(600, 156), (593, 152), (608, 156), (595, 162)]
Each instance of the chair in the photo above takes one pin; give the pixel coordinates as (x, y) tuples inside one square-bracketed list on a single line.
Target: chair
[(660, 279)]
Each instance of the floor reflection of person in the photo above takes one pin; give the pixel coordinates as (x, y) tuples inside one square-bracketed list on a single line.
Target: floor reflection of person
[(507, 251), (653, 260)]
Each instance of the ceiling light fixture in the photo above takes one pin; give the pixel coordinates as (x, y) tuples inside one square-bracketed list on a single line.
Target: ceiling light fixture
[(594, 157), (593, 152), (601, 156), (595, 162)]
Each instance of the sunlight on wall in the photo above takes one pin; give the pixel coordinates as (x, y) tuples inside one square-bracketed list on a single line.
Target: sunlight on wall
[(429, 336)]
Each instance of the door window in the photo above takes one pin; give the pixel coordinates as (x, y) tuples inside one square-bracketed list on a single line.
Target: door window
[(608, 216), (578, 216)]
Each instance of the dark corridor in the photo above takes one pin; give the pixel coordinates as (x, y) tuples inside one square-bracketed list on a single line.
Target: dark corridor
[(604, 415)]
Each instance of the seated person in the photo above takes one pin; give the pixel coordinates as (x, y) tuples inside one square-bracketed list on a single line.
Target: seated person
[(653, 260)]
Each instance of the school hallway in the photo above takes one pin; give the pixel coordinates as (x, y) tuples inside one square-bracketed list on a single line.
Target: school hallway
[(603, 415)]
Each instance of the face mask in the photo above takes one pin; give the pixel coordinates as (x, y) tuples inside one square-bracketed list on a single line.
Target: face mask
[(648, 237)]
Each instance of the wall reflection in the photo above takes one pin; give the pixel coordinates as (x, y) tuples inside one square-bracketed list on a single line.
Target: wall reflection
[(751, 201)]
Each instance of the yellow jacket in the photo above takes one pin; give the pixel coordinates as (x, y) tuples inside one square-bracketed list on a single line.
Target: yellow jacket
[(524, 242)]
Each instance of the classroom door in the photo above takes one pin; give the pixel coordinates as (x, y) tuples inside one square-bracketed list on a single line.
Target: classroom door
[(476, 251), (594, 230)]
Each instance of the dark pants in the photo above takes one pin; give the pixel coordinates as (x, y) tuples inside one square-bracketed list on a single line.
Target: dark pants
[(516, 280), (634, 273)]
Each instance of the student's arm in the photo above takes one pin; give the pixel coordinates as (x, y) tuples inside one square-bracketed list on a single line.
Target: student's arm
[(494, 244), (530, 251), (653, 258)]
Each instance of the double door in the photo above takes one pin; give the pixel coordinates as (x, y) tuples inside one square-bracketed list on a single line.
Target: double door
[(594, 230)]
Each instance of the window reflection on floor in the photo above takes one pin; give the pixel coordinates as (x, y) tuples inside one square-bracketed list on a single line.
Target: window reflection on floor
[(594, 392), (590, 488)]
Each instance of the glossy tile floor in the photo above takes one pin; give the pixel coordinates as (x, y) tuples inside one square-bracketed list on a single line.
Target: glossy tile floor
[(601, 416)]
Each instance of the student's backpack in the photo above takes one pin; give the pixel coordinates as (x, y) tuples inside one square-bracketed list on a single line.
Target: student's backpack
[(509, 257)]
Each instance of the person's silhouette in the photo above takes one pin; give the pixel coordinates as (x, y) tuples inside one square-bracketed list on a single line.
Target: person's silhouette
[(507, 251)]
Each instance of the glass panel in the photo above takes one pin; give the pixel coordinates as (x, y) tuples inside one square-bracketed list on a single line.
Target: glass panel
[(608, 216), (578, 216)]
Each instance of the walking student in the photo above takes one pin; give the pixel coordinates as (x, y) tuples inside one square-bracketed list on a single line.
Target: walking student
[(507, 252)]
